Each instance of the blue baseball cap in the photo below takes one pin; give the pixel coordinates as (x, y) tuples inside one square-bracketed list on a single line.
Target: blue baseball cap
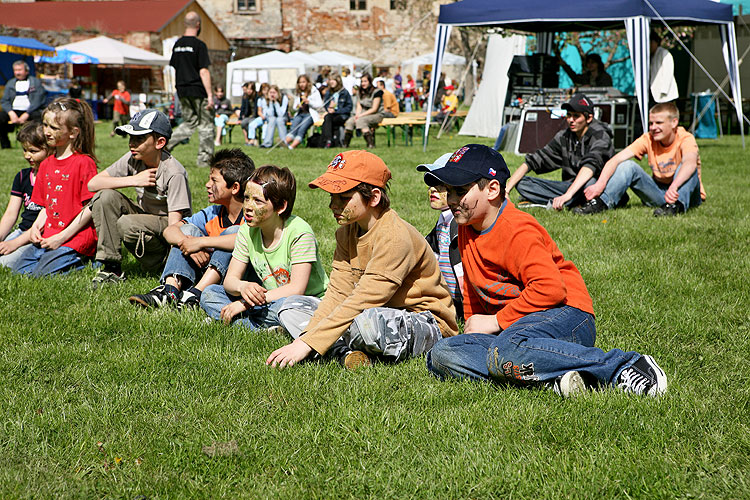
[(469, 164), (145, 122)]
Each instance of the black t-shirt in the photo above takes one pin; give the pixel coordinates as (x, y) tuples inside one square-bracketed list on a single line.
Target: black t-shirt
[(189, 56), (22, 188)]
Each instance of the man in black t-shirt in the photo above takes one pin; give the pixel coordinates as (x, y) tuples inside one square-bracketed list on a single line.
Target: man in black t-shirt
[(193, 81)]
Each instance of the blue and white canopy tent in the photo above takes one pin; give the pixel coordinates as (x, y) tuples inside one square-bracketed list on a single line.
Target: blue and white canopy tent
[(545, 17)]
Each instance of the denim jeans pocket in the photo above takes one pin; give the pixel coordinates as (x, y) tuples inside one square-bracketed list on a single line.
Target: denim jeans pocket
[(585, 332)]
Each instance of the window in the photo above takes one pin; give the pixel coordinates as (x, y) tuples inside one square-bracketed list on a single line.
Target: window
[(398, 4), (357, 4), (247, 5)]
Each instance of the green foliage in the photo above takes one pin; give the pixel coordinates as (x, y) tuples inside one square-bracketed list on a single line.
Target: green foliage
[(99, 399)]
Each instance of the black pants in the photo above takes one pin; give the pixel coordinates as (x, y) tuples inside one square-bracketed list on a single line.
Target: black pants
[(5, 127), (332, 120)]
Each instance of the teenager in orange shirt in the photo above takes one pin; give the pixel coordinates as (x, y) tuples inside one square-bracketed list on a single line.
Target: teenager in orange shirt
[(121, 107), (675, 184), (529, 317)]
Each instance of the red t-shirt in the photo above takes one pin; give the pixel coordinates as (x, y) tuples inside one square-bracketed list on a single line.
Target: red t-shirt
[(120, 105), (61, 188), (514, 268)]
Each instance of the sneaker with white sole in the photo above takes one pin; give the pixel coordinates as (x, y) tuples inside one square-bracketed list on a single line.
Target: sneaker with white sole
[(644, 377), (157, 297), (569, 385), (106, 277)]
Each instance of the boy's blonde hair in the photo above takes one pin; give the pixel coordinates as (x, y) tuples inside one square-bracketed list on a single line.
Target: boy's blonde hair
[(665, 107)]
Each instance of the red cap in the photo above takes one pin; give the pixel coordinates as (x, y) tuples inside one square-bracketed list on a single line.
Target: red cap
[(350, 168)]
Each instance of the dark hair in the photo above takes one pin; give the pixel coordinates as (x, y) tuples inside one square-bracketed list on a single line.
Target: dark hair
[(76, 113), (655, 36), (32, 133), (370, 88), (235, 166), (597, 59), (365, 190), (279, 186)]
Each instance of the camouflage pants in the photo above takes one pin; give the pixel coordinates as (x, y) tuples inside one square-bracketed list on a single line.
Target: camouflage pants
[(195, 116), (386, 333)]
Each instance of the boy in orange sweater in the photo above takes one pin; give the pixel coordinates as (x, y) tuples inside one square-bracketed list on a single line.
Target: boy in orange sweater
[(529, 317)]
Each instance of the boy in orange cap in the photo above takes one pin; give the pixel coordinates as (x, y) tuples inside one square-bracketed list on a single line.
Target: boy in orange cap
[(386, 297)]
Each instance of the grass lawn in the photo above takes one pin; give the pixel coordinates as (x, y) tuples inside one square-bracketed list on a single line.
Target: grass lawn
[(99, 399)]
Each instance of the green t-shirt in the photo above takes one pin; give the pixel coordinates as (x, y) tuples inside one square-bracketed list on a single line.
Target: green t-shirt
[(274, 265)]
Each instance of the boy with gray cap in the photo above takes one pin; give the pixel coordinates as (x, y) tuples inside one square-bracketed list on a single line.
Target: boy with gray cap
[(161, 185), (529, 316)]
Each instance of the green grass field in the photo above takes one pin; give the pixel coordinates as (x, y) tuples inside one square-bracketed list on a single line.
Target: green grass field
[(99, 399)]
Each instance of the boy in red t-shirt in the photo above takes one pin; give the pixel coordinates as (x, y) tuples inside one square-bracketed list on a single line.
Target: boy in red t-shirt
[(529, 317), (121, 106)]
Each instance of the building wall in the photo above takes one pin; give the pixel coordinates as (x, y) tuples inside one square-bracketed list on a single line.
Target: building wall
[(378, 33)]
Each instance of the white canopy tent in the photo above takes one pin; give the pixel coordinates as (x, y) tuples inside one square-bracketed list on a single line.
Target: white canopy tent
[(485, 115), (110, 51), (547, 16), (274, 67), (427, 59), (339, 59)]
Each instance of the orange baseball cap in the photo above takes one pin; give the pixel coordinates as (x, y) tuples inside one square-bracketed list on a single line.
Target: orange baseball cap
[(350, 168)]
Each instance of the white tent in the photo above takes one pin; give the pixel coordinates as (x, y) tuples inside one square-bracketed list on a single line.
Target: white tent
[(427, 59), (110, 51), (333, 58), (485, 115), (274, 67), (308, 60)]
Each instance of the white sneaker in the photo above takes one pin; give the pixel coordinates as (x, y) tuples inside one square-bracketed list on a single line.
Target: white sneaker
[(569, 385)]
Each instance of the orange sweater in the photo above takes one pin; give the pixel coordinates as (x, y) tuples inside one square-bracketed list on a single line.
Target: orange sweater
[(514, 268)]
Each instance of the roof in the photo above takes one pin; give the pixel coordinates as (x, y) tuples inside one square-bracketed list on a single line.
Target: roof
[(114, 17), (579, 15), (109, 51)]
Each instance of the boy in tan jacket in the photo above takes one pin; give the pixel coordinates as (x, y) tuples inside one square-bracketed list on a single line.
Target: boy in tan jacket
[(386, 297)]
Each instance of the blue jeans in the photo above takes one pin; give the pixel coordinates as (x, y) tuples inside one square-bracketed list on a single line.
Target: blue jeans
[(534, 350), (300, 124), (274, 122), (257, 122), (630, 175), (184, 267), (38, 261), (538, 190), (10, 260), (214, 298)]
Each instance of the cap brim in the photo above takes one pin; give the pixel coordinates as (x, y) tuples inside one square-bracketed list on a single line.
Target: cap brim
[(333, 183), (450, 176), (428, 167), (129, 130)]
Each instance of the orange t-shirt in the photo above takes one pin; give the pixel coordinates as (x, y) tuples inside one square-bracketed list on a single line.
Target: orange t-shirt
[(514, 268), (665, 160)]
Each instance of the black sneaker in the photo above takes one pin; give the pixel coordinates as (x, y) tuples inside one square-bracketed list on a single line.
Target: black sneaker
[(189, 300), (158, 297), (644, 377), (593, 206), (668, 210)]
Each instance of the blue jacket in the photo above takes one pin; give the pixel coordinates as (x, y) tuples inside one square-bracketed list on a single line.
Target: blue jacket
[(344, 105), (37, 95)]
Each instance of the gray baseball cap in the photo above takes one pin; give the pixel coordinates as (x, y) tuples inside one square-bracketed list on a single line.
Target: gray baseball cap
[(145, 122)]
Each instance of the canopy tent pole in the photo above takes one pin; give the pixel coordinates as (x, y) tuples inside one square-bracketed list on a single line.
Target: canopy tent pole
[(442, 35), (461, 83), (637, 29)]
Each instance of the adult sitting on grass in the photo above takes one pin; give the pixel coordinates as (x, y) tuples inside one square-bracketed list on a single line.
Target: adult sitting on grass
[(529, 316), (163, 198), (675, 165), (386, 297), (580, 151), (202, 244)]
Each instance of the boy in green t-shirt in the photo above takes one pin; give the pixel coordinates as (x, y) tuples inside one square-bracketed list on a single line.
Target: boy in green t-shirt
[(279, 247)]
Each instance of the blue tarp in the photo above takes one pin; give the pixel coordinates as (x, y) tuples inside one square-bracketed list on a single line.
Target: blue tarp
[(25, 46), (581, 15)]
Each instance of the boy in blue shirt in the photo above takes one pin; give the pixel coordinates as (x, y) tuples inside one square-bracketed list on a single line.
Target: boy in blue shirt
[(202, 244)]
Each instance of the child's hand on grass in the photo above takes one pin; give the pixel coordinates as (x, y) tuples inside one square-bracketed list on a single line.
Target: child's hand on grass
[(289, 355)]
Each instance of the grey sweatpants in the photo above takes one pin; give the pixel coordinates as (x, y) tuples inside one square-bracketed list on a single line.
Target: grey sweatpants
[(118, 220), (386, 333)]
